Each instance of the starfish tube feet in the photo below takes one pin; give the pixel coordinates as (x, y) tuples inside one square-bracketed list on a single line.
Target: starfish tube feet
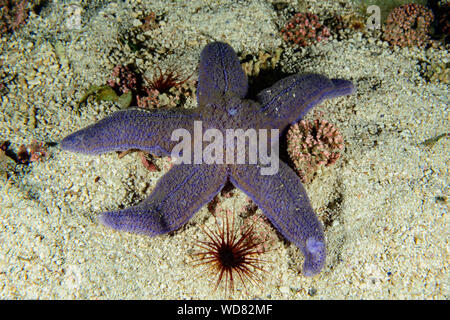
[(177, 196)]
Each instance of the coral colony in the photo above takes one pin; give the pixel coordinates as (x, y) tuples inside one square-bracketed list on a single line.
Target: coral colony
[(163, 83), (13, 14), (223, 111), (124, 80), (408, 25), (35, 151), (312, 145), (305, 29)]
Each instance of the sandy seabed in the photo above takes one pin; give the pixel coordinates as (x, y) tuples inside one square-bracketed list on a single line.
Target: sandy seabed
[(385, 201)]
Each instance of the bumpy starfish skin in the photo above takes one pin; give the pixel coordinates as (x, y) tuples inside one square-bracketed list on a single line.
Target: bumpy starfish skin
[(222, 87)]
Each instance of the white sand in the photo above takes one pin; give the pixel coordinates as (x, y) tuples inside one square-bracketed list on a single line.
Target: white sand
[(389, 235)]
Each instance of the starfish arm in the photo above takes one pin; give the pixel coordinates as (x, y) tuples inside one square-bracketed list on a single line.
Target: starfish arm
[(131, 129), (219, 72), (289, 99), (177, 196), (284, 201)]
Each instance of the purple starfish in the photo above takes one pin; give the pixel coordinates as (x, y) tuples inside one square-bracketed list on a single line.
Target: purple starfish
[(181, 192)]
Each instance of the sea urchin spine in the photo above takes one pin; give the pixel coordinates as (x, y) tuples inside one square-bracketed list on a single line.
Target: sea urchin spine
[(230, 254)]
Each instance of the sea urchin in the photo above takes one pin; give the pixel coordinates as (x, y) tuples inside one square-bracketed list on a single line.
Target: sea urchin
[(166, 80), (231, 254)]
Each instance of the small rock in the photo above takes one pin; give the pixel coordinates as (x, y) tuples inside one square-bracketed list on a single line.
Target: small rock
[(137, 23), (285, 290)]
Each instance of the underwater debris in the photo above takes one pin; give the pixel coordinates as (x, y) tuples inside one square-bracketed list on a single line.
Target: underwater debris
[(264, 61), (119, 88), (140, 35), (429, 143), (147, 163), (438, 72), (149, 22), (107, 93), (441, 199), (344, 27)]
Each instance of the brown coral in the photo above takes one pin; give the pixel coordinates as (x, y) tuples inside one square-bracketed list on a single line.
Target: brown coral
[(312, 145), (304, 29), (35, 151), (13, 14), (163, 89), (408, 25), (123, 79), (149, 22)]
